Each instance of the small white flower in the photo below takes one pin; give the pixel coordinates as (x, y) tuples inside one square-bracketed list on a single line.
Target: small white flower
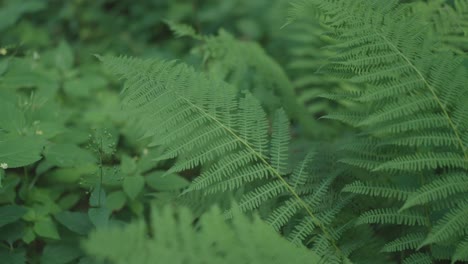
[(39, 132), (3, 51), (4, 166), (145, 151)]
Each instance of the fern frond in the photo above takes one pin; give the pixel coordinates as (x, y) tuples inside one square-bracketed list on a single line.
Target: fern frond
[(261, 194), (438, 189), (283, 214), (411, 102), (306, 228), (449, 21), (450, 225), (402, 86), (461, 253), (421, 139), (247, 65), (183, 30), (279, 151), (236, 180), (175, 240), (382, 48), (418, 258), (418, 122), (305, 56), (345, 117), (392, 216), (427, 161), (301, 172), (187, 112), (375, 190), (409, 241), (400, 108)]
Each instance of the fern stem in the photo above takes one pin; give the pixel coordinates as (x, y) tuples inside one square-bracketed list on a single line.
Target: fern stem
[(433, 92), (275, 173)]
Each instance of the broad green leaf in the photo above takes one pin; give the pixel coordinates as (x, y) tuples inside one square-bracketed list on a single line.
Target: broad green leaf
[(70, 175), (68, 155), (69, 200), (11, 118), (128, 165), (116, 200), (133, 185), (44, 201), (147, 161), (11, 213), (84, 86), (29, 235), (74, 136), (171, 182), (20, 151), (3, 66), (8, 192), (12, 257), (12, 232), (97, 197), (64, 56), (99, 216), (49, 129), (10, 13), (46, 228), (24, 73), (60, 253), (75, 221)]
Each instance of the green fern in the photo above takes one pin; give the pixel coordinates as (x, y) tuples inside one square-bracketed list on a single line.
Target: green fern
[(207, 122), (171, 238), (461, 253), (437, 190), (411, 108), (305, 38), (409, 241), (246, 65), (449, 21), (378, 190), (418, 258)]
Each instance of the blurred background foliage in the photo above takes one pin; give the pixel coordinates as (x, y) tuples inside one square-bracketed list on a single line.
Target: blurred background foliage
[(70, 161), (135, 28)]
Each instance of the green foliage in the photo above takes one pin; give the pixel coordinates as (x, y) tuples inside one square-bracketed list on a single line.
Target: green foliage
[(12, 11), (337, 128), (407, 77), (225, 132), (174, 239)]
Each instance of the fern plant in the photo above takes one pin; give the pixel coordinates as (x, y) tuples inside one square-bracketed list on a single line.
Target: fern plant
[(205, 121), (210, 126), (247, 66), (411, 113), (304, 39), (449, 22), (174, 239)]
